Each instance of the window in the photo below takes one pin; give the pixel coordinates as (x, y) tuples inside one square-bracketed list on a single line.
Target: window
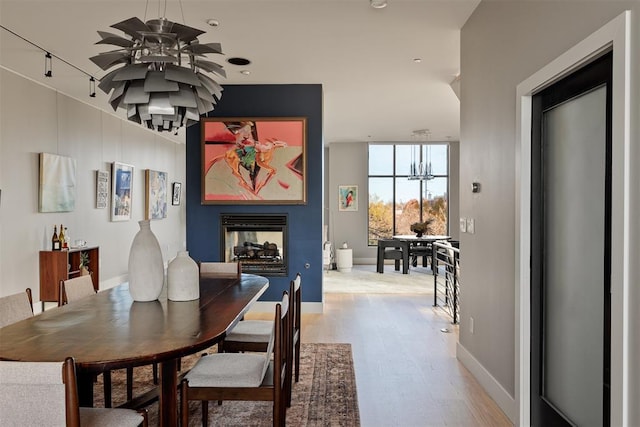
[(395, 201)]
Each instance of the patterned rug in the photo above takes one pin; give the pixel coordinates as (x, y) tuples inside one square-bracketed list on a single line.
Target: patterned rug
[(325, 395)]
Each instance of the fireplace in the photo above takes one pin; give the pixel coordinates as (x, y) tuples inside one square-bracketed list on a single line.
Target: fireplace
[(258, 242)]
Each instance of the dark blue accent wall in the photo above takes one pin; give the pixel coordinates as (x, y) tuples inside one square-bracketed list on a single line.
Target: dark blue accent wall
[(305, 221)]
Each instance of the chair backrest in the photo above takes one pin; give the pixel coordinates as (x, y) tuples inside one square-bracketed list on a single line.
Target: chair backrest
[(222, 269), (296, 291), (75, 289), (281, 343), (36, 393), (16, 307), (391, 243)]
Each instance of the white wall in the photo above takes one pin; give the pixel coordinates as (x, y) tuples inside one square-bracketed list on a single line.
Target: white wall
[(36, 119), (502, 44)]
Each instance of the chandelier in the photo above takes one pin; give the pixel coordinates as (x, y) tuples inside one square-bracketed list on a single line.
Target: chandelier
[(419, 170), (161, 83)]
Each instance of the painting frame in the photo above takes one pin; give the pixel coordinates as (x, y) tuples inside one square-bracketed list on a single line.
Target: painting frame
[(253, 160), (155, 191), (57, 183), (348, 198), (176, 193), (121, 191), (102, 189)]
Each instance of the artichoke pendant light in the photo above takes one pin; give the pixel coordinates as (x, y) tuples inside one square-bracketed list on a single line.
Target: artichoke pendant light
[(160, 81)]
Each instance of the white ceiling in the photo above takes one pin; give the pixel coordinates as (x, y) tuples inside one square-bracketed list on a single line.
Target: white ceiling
[(363, 57)]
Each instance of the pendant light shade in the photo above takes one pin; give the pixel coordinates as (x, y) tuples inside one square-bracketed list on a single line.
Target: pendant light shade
[(160, 78)]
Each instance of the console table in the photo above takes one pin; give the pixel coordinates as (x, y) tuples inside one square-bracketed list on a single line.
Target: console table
[(63, 265)]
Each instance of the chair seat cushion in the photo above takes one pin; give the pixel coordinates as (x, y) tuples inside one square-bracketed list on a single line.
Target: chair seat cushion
[(229, 370), (251, 331), (107, 417)]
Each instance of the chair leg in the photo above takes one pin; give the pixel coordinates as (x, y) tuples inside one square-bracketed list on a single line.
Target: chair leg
[(129, 384), (106, 378), (205, 413), (298, 360), (184, 403), (155, 373)]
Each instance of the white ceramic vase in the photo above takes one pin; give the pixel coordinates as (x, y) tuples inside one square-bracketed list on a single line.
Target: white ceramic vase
[(146, 268), (183, 278)]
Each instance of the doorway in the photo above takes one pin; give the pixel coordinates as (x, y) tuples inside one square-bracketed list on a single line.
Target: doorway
[(571, 248)]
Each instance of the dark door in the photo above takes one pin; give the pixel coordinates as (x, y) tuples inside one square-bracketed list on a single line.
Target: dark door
[(570, 249)]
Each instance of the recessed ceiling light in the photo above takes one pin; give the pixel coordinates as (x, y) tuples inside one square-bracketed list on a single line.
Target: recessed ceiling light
[(417, 60), (213, 22), (378, 4), (238, 61), (245, 72)]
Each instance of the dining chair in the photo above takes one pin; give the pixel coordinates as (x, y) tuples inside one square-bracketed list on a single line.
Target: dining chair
[(221, 269), (46, 394), (420, 250), (243, 376), (254, 335), (393, 249), (76, 289), (15, 307)]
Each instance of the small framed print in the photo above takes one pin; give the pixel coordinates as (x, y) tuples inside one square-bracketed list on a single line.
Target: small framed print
[(102, 189), (175, 198), (121, 194), (348, 198)]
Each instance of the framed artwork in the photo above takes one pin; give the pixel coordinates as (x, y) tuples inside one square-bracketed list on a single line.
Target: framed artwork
[(121, 194), (102, 189), (348, 198), (155, 201), (252, 160), (57, 190), (175, 198)]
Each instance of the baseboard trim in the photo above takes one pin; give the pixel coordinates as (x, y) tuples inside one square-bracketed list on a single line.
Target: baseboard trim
[(493, 388), (269, 306)]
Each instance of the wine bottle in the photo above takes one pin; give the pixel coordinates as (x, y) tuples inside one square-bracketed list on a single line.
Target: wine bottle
[(55, 240), (67, 238), (61, 237)]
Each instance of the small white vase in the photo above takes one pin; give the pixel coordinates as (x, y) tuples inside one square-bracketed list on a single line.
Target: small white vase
[(183, 278), (146, 268)]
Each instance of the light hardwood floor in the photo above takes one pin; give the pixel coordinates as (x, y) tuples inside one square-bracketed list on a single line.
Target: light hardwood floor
[(406, 371)]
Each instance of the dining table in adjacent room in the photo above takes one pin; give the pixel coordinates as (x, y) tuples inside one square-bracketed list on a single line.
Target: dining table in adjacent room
[(415, 243), (111, 331)]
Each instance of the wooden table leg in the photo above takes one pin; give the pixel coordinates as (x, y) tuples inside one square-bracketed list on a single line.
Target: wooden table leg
[(168, 407), (85, 389)]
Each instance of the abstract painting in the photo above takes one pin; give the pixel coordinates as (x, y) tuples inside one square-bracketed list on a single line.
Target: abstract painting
[(348, 198), (249, 160), (57, 192), (155, 194)]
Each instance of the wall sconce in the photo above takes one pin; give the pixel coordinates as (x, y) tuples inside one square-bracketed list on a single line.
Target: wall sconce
[(47, 65)]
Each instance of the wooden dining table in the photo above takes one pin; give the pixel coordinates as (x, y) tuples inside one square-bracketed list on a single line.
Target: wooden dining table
[(111, 331)]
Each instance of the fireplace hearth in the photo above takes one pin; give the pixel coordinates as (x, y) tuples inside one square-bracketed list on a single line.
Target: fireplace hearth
[(258, 242)]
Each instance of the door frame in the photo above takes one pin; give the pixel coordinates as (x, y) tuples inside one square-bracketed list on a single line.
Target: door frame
[(615, 35)]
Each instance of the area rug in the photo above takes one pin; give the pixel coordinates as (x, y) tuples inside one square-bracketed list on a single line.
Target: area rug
[(364, 279), (325, 395)]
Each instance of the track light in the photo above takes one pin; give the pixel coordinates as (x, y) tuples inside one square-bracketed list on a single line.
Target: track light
[(92, 87), (47, 65)]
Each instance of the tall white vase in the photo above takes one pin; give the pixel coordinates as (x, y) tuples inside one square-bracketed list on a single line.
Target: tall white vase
[(146, 269), (183, 278)]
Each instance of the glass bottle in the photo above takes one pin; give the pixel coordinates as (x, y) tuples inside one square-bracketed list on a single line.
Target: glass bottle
[(55, 240), (61, 237)]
